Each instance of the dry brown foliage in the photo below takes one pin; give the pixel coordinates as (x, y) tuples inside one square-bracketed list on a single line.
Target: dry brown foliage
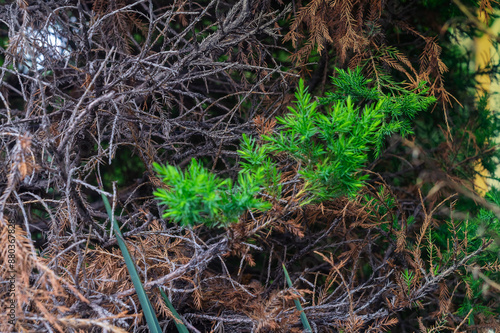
[(167, 84), (355, 30)]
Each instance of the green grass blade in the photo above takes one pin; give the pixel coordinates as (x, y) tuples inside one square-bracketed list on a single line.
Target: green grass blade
[(178, 321), (149, 312), (303, 317)]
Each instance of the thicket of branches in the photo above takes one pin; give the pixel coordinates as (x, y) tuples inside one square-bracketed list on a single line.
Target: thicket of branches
[(96, 92)]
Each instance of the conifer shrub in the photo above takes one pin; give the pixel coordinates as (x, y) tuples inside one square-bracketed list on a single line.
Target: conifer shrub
[(310, 163), (336, 215), (333, 138), (476, 284), (197, 196)]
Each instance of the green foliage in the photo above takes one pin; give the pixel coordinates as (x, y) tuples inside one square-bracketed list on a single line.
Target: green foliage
[(332, 144), (399, 105), (350, 83), (473, 132), (485, 129), (472, 233), (255, 157), (408, 278), (486, 226), (197, 196)]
